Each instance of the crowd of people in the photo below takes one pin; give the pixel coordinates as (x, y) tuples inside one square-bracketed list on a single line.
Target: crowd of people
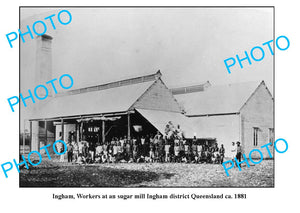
[(173, 147)]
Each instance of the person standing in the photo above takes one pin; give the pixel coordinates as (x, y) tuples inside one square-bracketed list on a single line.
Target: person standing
[(179, 132), (128, 150), (80, 148), (187, 151), (233, 151), (75, 150), (167, 151), (98, 153), (181, 150), (143, 140), (222, 153), (194, 149), (161, 149), (122, 141), (151, 152), (143, 148), (83, 146), (239, 151), (199, 152), (135, 150), (70, 152), (176, 152), (86, 148), (105, 152), (157, 137), (60, 148), (91, 149), (115, 149), (216, 148)]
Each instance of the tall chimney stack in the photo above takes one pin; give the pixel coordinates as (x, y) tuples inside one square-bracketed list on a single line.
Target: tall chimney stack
[(42, 74), (43, 68)]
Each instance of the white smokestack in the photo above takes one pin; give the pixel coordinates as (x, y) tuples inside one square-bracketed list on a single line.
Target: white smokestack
[(43, 68)]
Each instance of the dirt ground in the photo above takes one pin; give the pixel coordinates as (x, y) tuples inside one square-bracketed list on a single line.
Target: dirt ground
[(51, 173)]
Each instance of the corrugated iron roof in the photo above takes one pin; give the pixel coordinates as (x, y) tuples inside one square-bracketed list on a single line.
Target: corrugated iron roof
[(217, 99), (117, 99), (159, 120)]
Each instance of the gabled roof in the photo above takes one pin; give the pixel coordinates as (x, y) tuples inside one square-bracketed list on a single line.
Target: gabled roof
[(116, 99), (221, 99)]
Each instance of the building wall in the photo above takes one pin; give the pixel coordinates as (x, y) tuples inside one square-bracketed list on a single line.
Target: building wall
[(39, 137), (35, 136), (225, 128), (257, 112), (67, 128), (42, 139), (157, 97)]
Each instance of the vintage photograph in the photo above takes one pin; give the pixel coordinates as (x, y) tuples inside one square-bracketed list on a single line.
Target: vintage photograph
[(142, 97)]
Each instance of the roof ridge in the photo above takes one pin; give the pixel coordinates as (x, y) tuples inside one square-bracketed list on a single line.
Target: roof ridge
[(237, 83), (114, 84)]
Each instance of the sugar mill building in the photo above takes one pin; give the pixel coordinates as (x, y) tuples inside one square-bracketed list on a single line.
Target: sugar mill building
[(144, 104)]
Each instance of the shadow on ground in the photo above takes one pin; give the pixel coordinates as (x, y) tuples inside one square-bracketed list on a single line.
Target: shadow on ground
[(86, 176)]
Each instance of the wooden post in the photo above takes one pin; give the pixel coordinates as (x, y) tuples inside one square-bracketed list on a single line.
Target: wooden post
[(81, 130), (24, 137), (77, 132), (103, 131), (38, 136), (46, 134), (98, 136), (128, 126), (30, 140), (62, 129)]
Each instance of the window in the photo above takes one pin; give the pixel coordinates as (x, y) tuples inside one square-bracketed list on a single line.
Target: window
[(255, 136), (93, 129), (271, 135)]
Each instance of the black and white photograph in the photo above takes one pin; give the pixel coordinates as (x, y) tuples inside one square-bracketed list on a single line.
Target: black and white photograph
[(154, 97)]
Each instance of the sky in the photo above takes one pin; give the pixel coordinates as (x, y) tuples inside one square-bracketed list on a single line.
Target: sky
[(188, 45)]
